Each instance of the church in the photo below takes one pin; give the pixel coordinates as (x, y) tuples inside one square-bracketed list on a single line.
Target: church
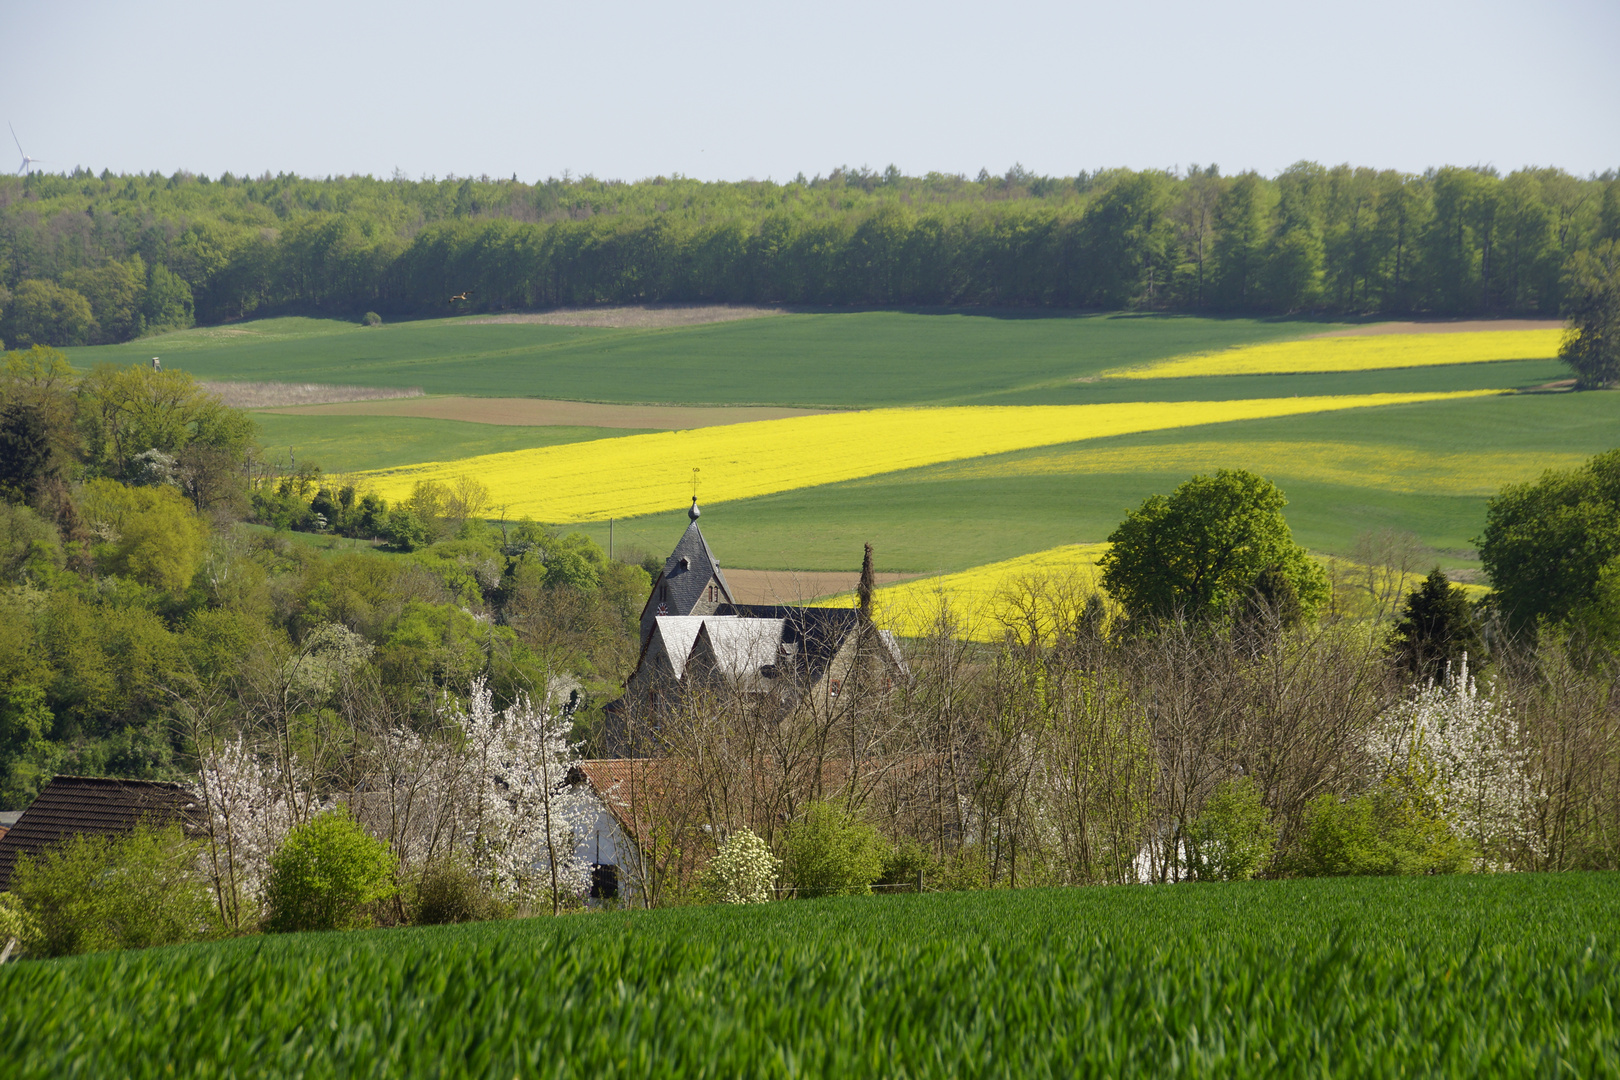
[(694, 632)]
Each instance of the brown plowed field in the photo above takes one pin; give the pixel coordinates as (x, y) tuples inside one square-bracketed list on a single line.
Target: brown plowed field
[(1457, 326), (796, 586), (539, 412), (637, 317)]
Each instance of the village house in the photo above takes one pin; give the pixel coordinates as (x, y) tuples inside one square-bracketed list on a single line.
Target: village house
[(92, 806)]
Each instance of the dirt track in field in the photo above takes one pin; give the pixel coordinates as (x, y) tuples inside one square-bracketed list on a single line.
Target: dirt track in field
[(263, 395), (796, 586), (539, 412), (636, 317), (1458, 326)]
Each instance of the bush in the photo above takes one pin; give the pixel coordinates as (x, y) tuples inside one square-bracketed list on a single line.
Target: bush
[(904, 862), (831, 852), (405, 531), (325, 876), (372, 319), (16, 924), (96, 892), (1394, 829), (742, 871), (1232, 837), (451, 892)]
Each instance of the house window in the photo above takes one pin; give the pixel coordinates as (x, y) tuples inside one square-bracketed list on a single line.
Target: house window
[(834, 686), (604, 881)]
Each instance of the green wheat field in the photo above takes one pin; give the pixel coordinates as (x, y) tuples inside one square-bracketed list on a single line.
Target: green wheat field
[(1467, 976)]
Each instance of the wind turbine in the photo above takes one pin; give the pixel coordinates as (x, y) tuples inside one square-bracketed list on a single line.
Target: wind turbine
[(28, 163)]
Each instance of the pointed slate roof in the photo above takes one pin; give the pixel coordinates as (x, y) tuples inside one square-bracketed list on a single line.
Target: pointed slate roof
[(676, 633), (688, 571)]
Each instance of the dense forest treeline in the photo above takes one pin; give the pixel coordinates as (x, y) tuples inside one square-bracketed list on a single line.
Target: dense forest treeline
[(88, 258)]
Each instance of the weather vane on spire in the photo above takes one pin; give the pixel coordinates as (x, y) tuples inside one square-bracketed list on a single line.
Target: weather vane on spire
[(693, 513)]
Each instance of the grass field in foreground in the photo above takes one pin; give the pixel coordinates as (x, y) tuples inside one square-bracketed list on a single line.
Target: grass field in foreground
[(1509, 976), (642, 474), (848, 360), (1357, 354)]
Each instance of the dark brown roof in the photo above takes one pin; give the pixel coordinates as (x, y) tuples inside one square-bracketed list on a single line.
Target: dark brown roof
[(93, 805)]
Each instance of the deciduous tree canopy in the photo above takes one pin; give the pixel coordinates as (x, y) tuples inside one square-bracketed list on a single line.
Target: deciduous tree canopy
[(1197, 552), (94, 258), (1592, 345), (1548, 545)]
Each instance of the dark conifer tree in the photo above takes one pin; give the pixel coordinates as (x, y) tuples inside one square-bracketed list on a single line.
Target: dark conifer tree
[(25, 452), (1437, 627)]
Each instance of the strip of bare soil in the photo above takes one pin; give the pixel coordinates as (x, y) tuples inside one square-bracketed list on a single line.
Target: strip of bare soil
[(797, 586), (539, 412), (263, 395), (1450, 326), (636, 317)]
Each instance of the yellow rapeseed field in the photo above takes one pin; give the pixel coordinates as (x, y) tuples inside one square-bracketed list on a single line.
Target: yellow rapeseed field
[(984, 602), (1389, 468), (1356, 354), (644, 474)]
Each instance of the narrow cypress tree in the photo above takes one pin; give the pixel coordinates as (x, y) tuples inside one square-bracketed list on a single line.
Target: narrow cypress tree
[(1436, 628), (25, 452)]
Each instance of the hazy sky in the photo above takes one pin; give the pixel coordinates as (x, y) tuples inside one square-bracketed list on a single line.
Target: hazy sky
[(724, 90)]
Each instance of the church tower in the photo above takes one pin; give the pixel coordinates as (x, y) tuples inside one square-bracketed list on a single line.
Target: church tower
[(691, 582)]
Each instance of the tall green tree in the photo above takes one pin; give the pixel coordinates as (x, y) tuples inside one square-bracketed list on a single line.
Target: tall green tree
[(116, 293), (1242, 221), (1546, 544), (1591, 345), (1198, 552)]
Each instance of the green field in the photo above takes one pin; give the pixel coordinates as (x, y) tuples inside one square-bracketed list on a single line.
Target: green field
[(837, 360), (1517, 975), (352, 443), (946, 517)]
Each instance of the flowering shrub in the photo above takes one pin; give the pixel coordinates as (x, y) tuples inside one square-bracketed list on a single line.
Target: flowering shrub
[(742, 870), (1467, 748), (16, 925)]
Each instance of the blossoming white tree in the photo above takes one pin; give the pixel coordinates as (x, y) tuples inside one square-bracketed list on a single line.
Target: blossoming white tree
[(1469, 744), (251, 803), (528, 819)]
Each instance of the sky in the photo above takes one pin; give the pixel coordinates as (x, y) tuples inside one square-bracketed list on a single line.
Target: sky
[(726, 90)]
